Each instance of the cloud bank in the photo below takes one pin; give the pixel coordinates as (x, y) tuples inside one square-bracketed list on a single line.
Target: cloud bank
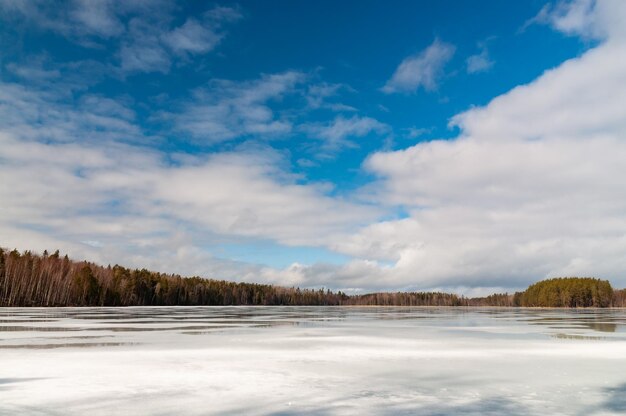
[(421, 70)]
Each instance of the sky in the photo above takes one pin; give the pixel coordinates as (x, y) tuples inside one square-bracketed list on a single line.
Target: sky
[(461, 146)]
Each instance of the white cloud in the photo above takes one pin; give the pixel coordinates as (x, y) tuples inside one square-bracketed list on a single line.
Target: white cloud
[(336, 135), (480, 62), (71, 180), (269, 203), (142, 50), (35, 71), (533, 186), (225, 110), (142, 32), (223, 14), (591, 19), (46, 116), (97, 18), (192, 37), (83, 21), (317, 96), (134, 205), (352, 276), (199, 36), (579, 99), (38, 77), (415, 132), (150, 41), (421, 70)]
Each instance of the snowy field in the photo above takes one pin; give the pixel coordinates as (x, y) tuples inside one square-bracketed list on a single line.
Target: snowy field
[(311, 361)]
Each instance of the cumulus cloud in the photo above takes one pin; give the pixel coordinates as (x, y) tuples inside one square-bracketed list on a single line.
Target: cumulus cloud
[(142, 50), (83, 21), (531, 188), (34, 71), (318, 95), (591, 19), (337, 134), (224, 110), (120, 203), (481, 62), (47, 116), (150, 41), (93, 180), (268, 204), (76, 176), (421, 70), (97, 18), (77, 20), (192, 37), (142, 32), (61, 79)]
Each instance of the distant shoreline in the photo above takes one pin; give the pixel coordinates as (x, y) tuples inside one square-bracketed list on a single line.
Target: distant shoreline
[(52, 280), (587, 308)]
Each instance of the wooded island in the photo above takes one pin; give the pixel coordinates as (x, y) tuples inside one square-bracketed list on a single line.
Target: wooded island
[(28, 279)]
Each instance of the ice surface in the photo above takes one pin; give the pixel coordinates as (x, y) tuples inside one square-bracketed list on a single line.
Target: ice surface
[(309, 360)]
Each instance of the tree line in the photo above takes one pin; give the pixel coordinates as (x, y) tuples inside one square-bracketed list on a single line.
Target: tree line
[(568, 292), (28, 279)]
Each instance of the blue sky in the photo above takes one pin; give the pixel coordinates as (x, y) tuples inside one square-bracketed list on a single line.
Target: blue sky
[(351, 145)]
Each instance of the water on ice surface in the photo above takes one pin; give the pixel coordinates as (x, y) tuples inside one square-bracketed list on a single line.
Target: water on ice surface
[(311, 361)]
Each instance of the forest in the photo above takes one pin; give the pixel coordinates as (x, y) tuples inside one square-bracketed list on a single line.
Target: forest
[(569, 292), (28, 279)]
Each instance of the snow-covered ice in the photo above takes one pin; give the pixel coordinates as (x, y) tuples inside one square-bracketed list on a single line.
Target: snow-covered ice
[(310, 360)]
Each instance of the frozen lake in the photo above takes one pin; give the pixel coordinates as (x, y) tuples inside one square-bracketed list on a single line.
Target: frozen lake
[(311, 360)]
